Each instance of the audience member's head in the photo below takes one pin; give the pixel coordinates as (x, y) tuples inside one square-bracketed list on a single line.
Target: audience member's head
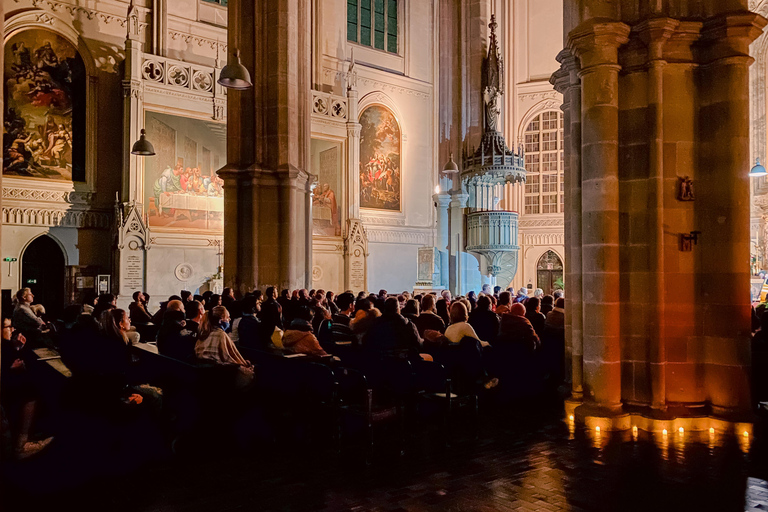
[(428, 303), (175, 305), (446, 294), (194, 311), (271, 293), (547, 300), (346, 302), (538, 293), (174, 320), (228, 294), (505, 298), (517, 309), (304, 314), (216, 318), (249, 305), (382, 293), (115, 323), (560, 303), (363, 305), (496, 290), (557, 294), (138, 297), (441, 308), (391, 306), (411, 307), (459, 312), (486, 288), (533, 305), (186, 296), (285, 293), (522, 292), (484, 303)]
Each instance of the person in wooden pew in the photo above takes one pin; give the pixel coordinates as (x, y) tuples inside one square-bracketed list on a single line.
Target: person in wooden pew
[(299, 336), (194, 312), (19, 392), (174, 340), (392, 332), (215, 346), (483, 320), (248, 330)]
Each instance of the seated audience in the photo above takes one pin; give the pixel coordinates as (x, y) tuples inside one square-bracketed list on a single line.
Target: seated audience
[(105, 302), (533, 314), (138, 310), (483, 320), (410, 310), (346, 308), (173, 339), (365, 315), (248, 330), (522, 295), (24, 319), (547, 304), (504, 301), (441, 308), (215, 346), (299, 336), (18, 392), (392, 332), (459, 327), (515, 329), (194, 312), (428, 320)]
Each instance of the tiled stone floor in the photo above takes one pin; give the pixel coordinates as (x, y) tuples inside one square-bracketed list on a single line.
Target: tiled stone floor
[(524, 462)]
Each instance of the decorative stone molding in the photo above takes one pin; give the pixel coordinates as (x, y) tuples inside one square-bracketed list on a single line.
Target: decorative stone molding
[(541, 223), (329, 105), (76, 11), (133, 89), (381, 220), (178, 75), (213, 44), (330, 74), (544, 239), (399, 236), (538, 96), (54, 196), (54, 217)]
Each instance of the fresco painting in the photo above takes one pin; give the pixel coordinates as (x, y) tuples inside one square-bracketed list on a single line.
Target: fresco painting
[(380, 173)]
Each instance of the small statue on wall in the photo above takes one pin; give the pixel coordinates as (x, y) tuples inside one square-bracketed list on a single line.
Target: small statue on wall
[(685, 189)]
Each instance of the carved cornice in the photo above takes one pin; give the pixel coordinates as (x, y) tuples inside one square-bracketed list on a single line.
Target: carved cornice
[(538, 96), (76, 11), (541, 223), (399, 236), (544, 239), (53, 196), (199, 41), (381, 220), (56, 217), (377, 84)]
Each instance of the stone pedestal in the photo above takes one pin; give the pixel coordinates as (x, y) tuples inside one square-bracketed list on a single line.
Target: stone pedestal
[(652, 100), (267, 214)]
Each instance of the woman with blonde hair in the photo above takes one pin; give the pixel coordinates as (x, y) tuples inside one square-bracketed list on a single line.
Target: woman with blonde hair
[(215, 346), (459, 327)]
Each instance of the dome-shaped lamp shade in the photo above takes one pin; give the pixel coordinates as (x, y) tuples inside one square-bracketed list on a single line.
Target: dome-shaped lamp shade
[(143, 147), (451, 166), (234, 75), (758, 170)]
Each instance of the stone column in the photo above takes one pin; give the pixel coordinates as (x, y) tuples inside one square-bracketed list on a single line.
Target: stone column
[(133, 117), (456, 243), (267, 228), (722, 208), (442, 200), (596, 45)]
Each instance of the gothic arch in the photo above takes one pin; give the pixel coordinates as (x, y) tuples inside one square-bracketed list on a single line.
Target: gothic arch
[(546, 105)]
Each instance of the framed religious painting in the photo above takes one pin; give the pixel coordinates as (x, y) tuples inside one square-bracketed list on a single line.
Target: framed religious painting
[(45, 98), (182, 191), (326, 205), (380, 150)]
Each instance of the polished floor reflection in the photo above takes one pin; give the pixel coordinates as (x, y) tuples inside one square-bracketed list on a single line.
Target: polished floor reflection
[(526, 462)]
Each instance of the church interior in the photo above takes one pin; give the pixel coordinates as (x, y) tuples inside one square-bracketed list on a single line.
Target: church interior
[(438, 254)]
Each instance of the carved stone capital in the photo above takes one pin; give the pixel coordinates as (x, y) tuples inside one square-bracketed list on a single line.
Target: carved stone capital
[(597, 43)]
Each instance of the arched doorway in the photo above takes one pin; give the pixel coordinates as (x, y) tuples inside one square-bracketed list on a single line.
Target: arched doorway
[(43, 269), (549, 272)]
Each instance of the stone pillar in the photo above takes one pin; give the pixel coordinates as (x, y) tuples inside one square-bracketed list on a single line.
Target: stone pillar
[(133, 117), (456, 243), (442, 200), (267, 218), (596, 45), (722, 208), (665, 321)]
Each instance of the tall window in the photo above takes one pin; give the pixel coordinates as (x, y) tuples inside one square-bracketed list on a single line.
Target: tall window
[(373, 23), (544, 164)]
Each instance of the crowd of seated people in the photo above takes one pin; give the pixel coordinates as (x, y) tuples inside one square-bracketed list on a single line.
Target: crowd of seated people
[(95, 339)]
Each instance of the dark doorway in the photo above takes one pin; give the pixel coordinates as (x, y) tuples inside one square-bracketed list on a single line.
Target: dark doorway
[(43, 270), (549, 272)]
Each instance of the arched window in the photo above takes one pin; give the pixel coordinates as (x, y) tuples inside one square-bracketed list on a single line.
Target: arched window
[(544, 162), (549, 272)]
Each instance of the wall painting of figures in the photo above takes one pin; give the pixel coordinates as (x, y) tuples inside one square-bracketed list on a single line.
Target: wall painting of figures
[(181, 191), (326, 198), (380, 173), (44, 125)]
